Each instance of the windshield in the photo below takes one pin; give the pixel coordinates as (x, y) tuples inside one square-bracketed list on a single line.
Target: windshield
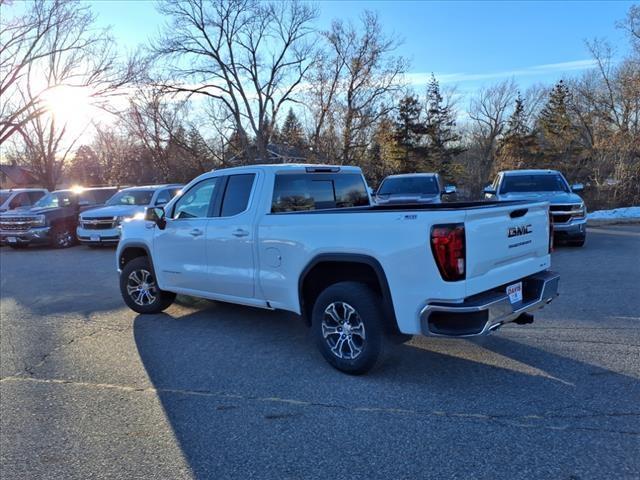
[(131, 197), (409, 185), (55, 199), (4, 197), (533, 183)]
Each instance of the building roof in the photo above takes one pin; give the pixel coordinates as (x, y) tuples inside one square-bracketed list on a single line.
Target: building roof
[(18, 175)]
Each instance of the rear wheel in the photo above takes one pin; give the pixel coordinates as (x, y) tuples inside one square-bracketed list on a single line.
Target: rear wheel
[(347, 326), (139, 288)]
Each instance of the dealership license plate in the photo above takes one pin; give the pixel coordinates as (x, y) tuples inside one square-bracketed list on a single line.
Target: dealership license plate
[(515, 292), (95, 238), (12, 239)]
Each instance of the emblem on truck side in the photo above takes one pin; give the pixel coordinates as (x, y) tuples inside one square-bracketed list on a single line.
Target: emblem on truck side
[(519, 231)]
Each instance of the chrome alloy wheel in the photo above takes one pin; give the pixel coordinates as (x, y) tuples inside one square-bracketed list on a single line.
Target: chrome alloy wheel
[(343, 330), (141, 287), (64, 239)]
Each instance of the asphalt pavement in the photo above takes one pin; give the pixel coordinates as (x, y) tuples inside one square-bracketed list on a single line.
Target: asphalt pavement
[(90, 390)]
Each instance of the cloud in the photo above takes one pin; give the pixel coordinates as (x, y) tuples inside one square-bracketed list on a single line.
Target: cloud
[(421, 78)]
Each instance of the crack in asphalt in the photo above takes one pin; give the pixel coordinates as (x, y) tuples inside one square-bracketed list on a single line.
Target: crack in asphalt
[(30, 369), (504, 419)]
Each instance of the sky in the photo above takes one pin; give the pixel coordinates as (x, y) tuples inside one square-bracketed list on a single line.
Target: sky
[(466, 44)]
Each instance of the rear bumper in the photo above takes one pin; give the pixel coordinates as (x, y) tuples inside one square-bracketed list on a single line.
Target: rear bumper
[(483, 313), (98, 237), (35, 236)]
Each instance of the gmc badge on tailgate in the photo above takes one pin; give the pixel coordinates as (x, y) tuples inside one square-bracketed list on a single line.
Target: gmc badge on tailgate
[(519, 231)]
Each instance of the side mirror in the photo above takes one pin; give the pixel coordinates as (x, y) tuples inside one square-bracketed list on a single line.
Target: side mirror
[(157, 216), (449, 189), (489, 190), (577, 187)]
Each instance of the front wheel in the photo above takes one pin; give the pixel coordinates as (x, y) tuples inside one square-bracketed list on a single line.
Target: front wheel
[(347, 326), (63, 237), (139, 289), (578, 242)]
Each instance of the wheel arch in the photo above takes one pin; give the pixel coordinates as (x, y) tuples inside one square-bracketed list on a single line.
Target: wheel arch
[(132, 251), (329, 268)]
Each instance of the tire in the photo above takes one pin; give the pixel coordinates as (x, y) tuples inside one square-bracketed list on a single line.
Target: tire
[(577, 243), (359, 343), (63, 237), (139, 289)]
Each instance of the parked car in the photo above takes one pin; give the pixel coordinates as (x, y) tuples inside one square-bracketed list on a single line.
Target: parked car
[(567, 208), (20, 198), (101, 226), (412, 188), (304, 238), (53, 219)]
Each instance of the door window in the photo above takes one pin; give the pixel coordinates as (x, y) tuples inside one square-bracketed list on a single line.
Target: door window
[(237, 193), (196, 202)]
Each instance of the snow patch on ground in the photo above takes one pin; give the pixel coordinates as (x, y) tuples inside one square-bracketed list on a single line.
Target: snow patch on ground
[(616, 213)]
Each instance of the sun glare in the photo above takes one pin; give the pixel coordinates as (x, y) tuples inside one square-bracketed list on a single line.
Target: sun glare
[(69, 105)]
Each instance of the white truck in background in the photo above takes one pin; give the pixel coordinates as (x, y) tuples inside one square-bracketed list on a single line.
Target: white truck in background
[(305, 238)]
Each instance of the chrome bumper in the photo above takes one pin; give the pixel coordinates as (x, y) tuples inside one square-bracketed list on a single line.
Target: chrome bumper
[(109, 236), (480, 314), (36, 235), (572, 227)]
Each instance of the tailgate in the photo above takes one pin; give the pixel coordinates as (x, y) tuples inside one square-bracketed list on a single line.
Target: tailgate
[(505, 243)]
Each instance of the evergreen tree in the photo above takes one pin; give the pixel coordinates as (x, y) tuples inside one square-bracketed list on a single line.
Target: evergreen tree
[(518, 147), (291, 133), (559, 136), (443, 140), (409, 131)]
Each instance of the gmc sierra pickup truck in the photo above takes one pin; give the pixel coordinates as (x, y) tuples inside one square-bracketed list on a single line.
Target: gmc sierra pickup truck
[(306, 239)]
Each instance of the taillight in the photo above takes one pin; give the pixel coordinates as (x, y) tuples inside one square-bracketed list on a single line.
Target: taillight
[(448, 247), (550, 232)]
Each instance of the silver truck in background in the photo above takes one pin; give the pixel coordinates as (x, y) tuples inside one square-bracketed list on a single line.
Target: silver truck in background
[(567, 208)]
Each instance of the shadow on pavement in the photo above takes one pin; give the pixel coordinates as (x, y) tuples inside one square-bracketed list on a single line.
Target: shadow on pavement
[(245, 391)]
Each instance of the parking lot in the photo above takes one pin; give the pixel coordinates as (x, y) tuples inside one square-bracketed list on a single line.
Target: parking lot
[(89, 389)]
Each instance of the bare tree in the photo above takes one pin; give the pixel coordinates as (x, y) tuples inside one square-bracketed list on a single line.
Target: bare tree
[(251, 56), (54, 44), (371, 75), (153, 118), (489, 112)]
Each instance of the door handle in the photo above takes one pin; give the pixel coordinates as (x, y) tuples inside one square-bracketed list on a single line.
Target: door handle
[(240, 233), (196, 232)]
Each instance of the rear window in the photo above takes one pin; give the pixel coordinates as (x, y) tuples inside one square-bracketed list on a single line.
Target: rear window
[(317, 191), (236, 195)]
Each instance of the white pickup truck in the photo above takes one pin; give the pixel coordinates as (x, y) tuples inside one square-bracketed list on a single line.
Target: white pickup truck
[(305, 238)]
